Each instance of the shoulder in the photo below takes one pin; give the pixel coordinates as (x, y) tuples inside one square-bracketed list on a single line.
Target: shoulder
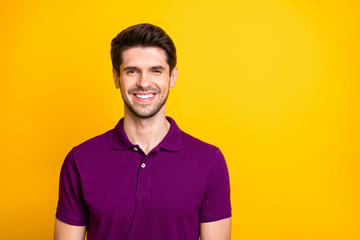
[(198, 147), (191, 140), (95, 146)]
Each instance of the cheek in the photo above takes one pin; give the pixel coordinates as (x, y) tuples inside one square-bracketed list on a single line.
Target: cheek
[(163, 83), (123, 89), (125, 85)]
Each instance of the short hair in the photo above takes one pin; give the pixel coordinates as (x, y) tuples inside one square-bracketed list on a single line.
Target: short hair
[(142, 35)]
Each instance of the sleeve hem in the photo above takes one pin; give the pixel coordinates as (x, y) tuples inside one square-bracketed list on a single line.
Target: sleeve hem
[(216, 217), (71, 221)]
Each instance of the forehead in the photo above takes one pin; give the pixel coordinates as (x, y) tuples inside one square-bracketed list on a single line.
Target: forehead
[(143, 57)]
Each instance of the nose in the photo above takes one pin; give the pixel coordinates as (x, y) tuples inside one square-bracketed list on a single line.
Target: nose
[(144, 81)]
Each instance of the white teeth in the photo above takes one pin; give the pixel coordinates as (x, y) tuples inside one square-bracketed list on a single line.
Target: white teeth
[(144, 96)]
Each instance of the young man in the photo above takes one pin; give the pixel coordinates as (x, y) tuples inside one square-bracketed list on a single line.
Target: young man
[(145, 179)]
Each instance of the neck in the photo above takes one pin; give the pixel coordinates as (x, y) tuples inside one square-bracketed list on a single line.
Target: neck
[(146, 132)]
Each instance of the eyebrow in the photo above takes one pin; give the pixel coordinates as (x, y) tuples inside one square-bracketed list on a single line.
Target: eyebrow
[(153, 67), (158, 67), (129, 68)]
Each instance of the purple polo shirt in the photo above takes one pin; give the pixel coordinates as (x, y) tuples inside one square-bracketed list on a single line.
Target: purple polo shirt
[(110, 185)]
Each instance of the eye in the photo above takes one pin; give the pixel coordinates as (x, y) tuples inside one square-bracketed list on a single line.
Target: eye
[(157, 71), (131, 71)]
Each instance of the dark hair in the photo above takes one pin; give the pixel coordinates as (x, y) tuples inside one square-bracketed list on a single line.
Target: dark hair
[(142, 35)]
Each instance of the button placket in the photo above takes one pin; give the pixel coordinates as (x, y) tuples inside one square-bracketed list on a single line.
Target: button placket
[(144, 180)]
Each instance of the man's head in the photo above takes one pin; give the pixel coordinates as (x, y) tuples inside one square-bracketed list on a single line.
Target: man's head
[(142, 35), (144, 60)]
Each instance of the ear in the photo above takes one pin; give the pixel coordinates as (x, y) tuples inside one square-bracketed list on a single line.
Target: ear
[(173, 77), (116, 78)]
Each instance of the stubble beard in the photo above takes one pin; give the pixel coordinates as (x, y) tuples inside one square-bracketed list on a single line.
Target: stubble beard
[(145, 111)]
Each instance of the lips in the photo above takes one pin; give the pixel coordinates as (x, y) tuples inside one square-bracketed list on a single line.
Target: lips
[(144, 97)]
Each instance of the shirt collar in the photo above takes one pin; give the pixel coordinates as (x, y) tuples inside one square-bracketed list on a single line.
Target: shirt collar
[(171, 142)]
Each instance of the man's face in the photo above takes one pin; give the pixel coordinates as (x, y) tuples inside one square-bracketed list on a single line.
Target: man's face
[(144, 80)]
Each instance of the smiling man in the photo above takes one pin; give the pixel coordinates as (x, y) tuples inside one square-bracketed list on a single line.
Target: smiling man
[(145, 179)]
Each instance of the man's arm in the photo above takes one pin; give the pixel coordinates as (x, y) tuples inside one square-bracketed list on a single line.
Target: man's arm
[(218, 230), (64, 231)]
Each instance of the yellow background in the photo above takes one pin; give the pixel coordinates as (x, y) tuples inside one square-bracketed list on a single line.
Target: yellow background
[(273, 83)]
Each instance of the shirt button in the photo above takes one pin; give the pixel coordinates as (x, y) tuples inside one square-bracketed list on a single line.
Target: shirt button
[(135, 149), (143, 165)]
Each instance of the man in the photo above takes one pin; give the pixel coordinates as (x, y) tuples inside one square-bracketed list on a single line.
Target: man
[(145, 179)]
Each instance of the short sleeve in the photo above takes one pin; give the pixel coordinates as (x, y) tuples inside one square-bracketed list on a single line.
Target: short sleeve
[(71, 208), (216, 203)]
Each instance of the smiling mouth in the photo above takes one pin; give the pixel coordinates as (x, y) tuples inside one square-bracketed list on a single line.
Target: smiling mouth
[(145, 96)]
